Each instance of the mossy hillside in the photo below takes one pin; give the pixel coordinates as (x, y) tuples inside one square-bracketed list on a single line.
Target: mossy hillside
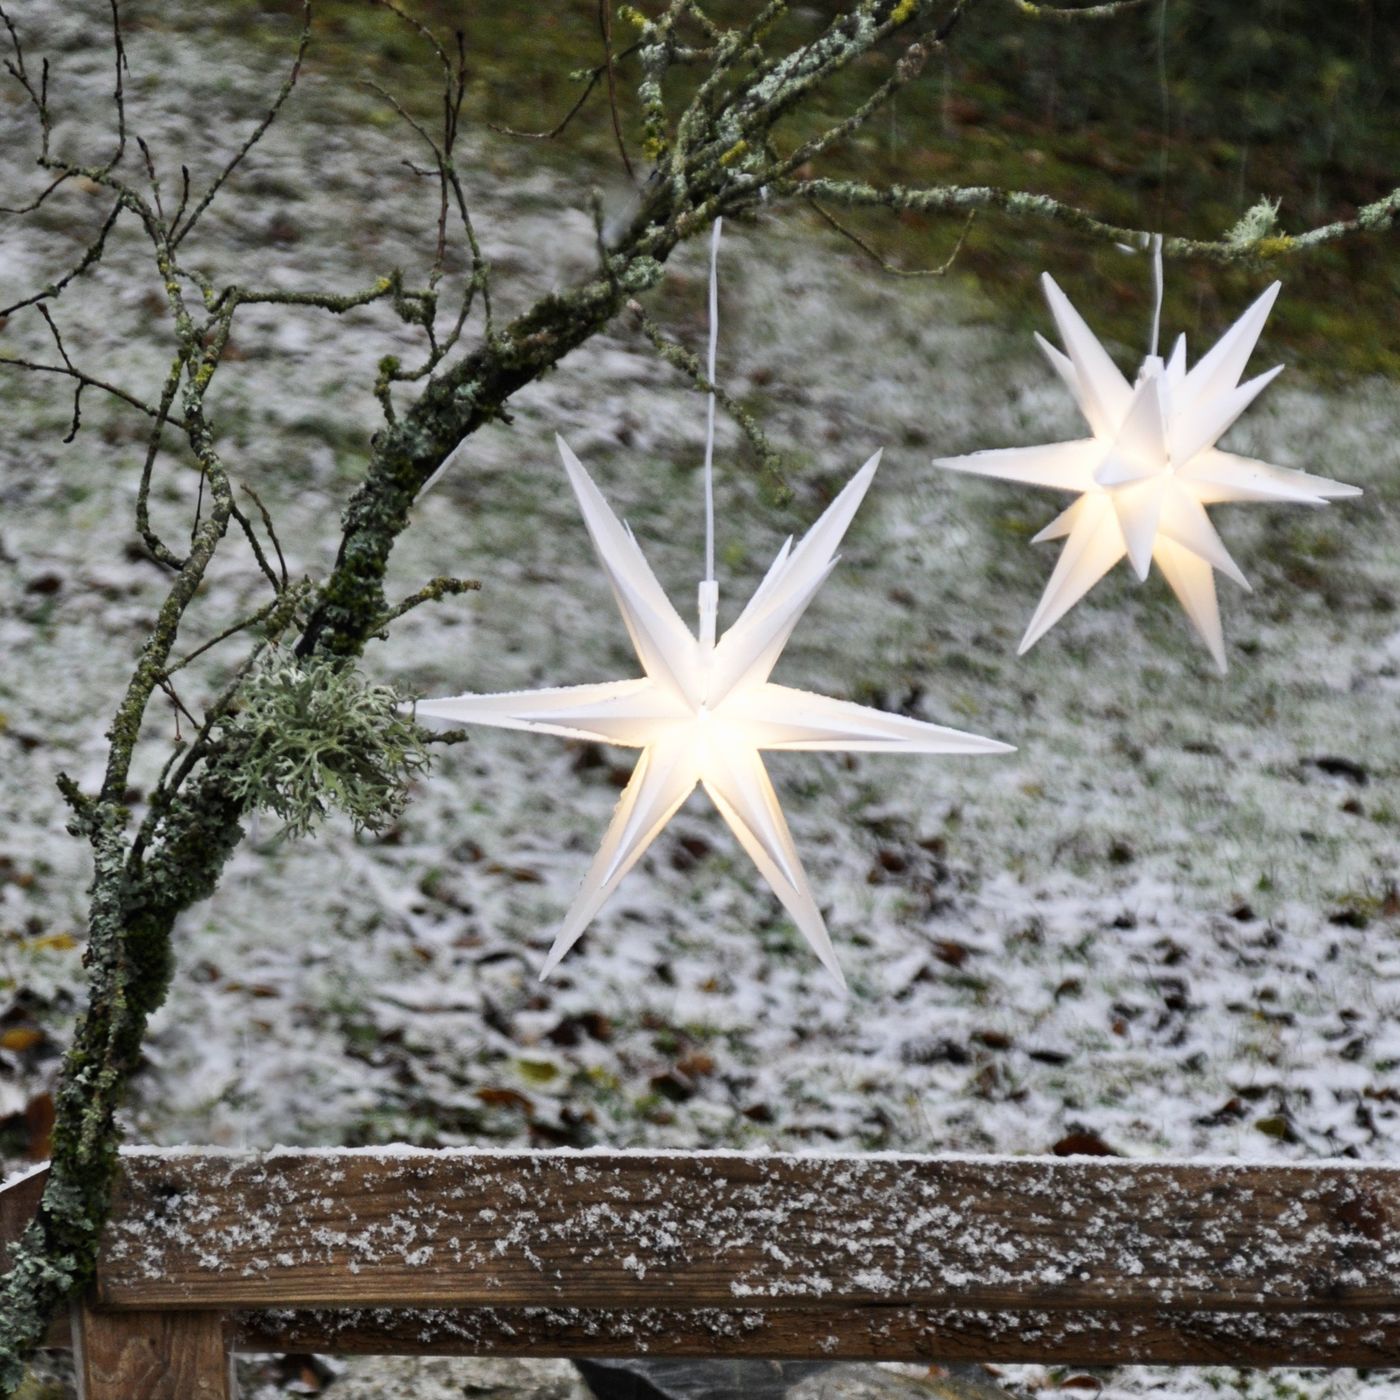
[(1187, 125)]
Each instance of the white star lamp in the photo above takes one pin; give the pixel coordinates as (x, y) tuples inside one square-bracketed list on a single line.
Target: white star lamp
[(705, 710), (1144, 478)]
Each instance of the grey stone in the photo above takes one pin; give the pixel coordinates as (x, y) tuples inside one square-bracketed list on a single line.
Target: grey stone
[(708, 1379), (896, 1382), (456, 1378), (638, 1378)]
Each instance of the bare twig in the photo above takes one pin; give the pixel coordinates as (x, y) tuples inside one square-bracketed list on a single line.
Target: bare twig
[(451, 184), (86, 381), (954, 199), (432, 592), (605, 26), (557, 129), (676, 355), (1066, 15), (391, 286), (184, 196), (40, 197), (143, 491), (89, 258), (941, 270), (63, 354), (242, 625), (38, 97), (271, 533), (906, 70), (255, 545), (178, 235), (151, 176), (179, 705), (118, 95), (423, 31)]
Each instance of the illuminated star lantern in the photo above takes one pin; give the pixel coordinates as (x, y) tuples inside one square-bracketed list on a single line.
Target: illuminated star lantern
[(1151, 467), (704, 710)]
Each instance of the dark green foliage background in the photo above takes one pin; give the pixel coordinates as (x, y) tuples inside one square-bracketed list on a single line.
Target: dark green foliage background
[(1180, 114)]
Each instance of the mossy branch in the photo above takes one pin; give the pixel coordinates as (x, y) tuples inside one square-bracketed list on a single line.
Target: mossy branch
[(1375, 217)]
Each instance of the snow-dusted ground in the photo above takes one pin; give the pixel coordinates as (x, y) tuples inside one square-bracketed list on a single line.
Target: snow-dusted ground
[(1169, 920)]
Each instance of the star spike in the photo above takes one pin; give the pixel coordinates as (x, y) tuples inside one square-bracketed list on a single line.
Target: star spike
[(1060, 363), (1103, 393), (1223, 476), (749, 650), (1139, 510), (663, 642), (1208, 423), (616, 712), (1185, 522), (739, 786), (1062, 524), (664, 777), (1219, 370), (1141, 440), (818, 723), (1063, 466), (1176, 365), (1094, 546), (1193, 583)]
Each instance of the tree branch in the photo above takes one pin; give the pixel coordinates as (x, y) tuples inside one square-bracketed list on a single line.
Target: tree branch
[(178, 234), (90, 257), (886, 266), (678, 357), (1065, 15), (431, 592), (1373, 218)]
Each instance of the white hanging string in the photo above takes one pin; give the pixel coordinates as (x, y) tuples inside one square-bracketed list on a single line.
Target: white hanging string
[(1154, 242), (710, 415), (1156, 292)]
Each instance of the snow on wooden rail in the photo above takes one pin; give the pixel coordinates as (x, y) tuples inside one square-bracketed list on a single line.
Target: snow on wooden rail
[(888, 1257)]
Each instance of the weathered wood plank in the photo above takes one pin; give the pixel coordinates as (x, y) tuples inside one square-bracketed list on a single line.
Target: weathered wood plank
[(624, 1230), (152, 1356), (824, 1332)]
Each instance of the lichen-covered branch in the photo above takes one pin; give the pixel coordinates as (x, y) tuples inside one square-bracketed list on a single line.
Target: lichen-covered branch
[(953, 199)]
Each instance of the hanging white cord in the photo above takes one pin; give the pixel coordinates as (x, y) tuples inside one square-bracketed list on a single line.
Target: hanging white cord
[(1157, 292), (710, 416)]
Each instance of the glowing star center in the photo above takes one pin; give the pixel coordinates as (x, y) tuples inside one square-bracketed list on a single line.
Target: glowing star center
[(714, 738)]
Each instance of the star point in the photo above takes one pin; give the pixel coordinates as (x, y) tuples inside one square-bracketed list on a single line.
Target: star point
[(1150, 467), (704, 711)]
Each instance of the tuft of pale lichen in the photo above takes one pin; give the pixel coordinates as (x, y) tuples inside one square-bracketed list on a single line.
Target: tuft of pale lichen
[(1255, 224), (315, 736)]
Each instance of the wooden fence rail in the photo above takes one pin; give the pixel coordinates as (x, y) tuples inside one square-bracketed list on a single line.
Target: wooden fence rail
[(1079, 1260)]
